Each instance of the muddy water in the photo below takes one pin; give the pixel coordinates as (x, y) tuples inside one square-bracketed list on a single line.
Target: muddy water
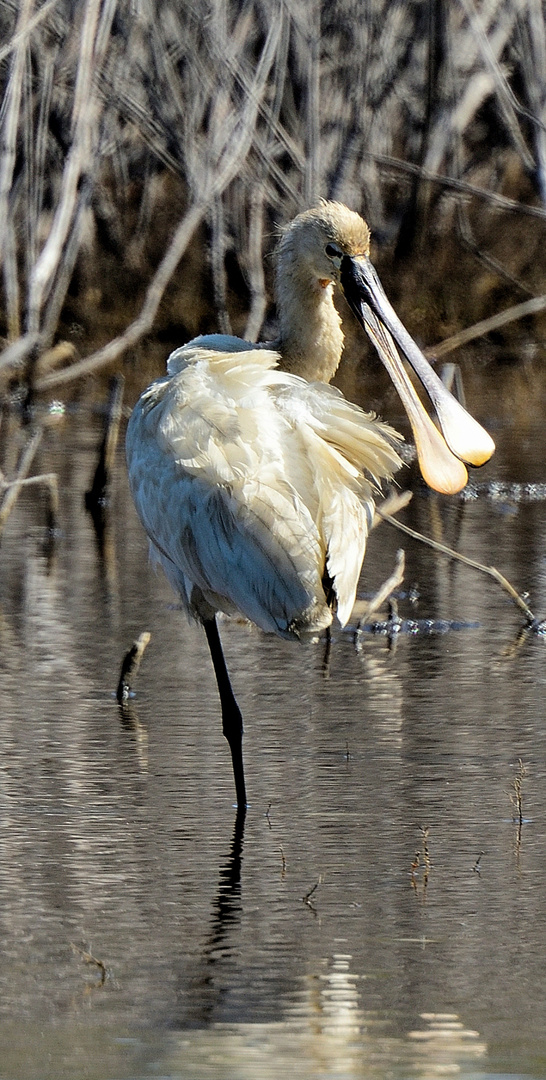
[(147, 934)]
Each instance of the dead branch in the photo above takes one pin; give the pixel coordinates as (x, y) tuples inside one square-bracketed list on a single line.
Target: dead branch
[(393, 582), (26, 27), (12, 489), (490, 570), (51, 484), (88, 958), (485, 326), (85, 118), (228, 158), (463, 187), (264, 123), (144, 321)]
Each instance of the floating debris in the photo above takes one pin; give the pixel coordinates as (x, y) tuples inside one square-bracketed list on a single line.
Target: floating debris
[(503, 491), (413, 594), (388, 627)]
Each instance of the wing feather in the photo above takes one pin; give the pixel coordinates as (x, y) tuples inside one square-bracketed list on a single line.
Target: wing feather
[(343, 443), (207, 479), (249, 483)]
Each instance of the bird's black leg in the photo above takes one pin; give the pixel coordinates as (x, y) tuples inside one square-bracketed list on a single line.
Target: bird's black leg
[(232, 721)]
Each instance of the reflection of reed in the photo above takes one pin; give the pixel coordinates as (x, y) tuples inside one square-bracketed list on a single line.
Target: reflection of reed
[(97, 498)]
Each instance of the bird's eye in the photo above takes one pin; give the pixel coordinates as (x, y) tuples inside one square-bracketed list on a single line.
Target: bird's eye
[(333, 251)]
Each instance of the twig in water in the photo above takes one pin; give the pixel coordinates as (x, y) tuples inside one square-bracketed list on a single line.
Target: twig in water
[(421, 859), (426, 856), (307, 898), (492, 571), (517, 802), (50, 482), (516, 795), (12, 488), (283, 857), (88, 958), (477, 868), (130, 666), (392, 582)]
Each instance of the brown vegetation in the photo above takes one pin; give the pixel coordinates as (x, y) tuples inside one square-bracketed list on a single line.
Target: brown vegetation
[(134, 132)]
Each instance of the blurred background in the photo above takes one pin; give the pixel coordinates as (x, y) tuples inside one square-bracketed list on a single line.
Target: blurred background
[(151, 150)]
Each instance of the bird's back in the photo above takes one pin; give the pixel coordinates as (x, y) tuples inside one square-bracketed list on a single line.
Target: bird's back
[(249, 482)]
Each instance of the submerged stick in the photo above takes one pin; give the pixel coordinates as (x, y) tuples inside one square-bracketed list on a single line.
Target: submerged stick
[(307, 898), (88, 958), (516, 795), (490, 570), (389, 585), (517, 802), (130, 666)]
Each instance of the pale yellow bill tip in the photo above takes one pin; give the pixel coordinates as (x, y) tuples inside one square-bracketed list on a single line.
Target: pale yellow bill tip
[(440, 469), (464, 435)]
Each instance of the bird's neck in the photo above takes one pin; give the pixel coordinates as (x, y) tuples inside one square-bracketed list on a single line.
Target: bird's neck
[(311, 339)]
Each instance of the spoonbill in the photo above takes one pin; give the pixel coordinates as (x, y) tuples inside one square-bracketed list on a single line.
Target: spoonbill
[(255, 480)]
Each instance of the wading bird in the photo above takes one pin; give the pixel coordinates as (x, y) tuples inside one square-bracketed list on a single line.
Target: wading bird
[(255, 479)]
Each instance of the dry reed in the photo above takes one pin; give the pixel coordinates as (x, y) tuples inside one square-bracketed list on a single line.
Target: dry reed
[(127, 126)]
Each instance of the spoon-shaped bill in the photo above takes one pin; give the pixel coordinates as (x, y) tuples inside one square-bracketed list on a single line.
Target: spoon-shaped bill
[(441, 470), (468, 440)]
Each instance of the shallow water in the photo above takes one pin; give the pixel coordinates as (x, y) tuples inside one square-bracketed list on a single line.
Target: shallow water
[(301, 944)]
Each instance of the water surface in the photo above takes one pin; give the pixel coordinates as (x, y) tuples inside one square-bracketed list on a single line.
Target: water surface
[(146, 933)]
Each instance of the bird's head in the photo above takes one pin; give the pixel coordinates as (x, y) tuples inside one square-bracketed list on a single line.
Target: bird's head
[(316, 242), (331, 244)]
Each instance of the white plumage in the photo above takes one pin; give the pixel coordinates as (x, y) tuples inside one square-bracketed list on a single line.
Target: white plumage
[(249, 482), (254, 482)]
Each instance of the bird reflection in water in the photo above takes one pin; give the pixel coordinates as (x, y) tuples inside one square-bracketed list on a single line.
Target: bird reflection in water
[(227, 906), (206, 997)]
